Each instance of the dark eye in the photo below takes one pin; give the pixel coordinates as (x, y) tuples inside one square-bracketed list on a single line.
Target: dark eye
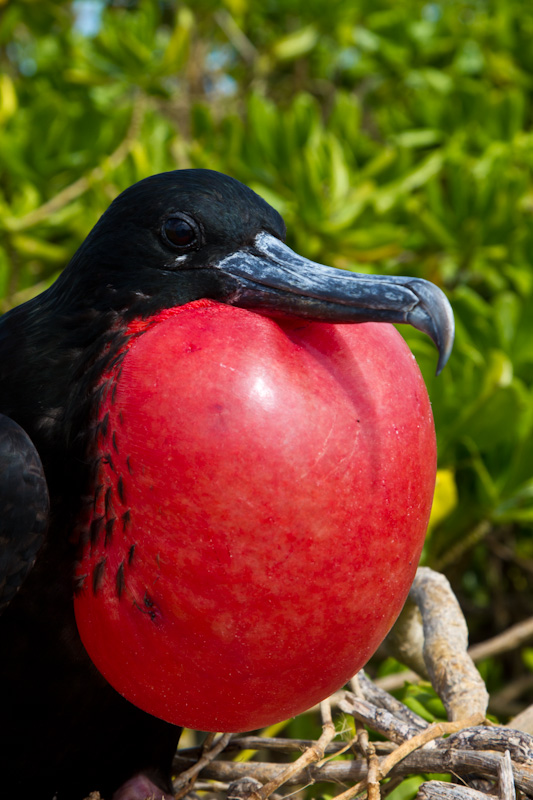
[(180, 232)]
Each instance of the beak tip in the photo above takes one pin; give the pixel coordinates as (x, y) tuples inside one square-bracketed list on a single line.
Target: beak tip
[(444, 355), (433, 315), (447, 334)]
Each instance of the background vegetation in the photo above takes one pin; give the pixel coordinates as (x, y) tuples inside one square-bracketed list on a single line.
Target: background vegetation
[(393, 137)]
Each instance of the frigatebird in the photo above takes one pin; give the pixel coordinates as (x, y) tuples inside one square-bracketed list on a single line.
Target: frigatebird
[(168, 240)]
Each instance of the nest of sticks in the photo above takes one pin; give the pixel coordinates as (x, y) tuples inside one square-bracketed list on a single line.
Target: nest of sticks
[(480, 759)]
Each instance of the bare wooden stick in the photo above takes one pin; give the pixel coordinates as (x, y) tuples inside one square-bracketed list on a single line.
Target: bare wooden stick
[(439, 790), (383, 699), (374, 773), (312, 754), (523, 721), (367, 748), (379, 719), (452, 671), (243, 789), (211, 786), (432, 732), (511, 639), (183, 784), (353, 791), (282, 745), (458, 762), (405, 641), (506, 778), (499, 738)]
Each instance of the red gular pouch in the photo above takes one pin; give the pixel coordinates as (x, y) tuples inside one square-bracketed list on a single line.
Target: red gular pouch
[(264, 491)]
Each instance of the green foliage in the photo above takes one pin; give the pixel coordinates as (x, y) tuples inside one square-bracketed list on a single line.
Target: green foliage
[(424, 701), (392, 137)]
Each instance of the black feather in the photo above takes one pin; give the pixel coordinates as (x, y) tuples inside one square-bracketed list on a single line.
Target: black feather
[(66, 730)]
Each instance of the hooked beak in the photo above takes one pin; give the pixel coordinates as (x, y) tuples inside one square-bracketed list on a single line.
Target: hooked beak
[(274, 278)]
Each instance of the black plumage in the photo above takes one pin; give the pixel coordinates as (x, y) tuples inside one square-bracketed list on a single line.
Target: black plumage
[(24, 505), (169, 240)]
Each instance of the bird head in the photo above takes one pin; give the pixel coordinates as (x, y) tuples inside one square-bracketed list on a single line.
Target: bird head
[(180, 236)]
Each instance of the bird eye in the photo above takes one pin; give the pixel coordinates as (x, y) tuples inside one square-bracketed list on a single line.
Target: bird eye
[(180, 232)]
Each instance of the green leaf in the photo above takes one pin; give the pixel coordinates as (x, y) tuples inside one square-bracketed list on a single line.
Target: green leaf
[(295, 45)]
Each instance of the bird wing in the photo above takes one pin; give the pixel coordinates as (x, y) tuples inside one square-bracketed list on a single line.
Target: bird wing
[(24, 507)]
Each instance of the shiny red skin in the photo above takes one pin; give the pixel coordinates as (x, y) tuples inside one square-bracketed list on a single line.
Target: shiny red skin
[(271, 484)]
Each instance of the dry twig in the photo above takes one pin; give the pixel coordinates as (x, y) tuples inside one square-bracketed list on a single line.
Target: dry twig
[(456, 762), (511, 639), (210, 751), (506, 778), (312, 754), (379, 719), (450, 668), (439, 790)]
